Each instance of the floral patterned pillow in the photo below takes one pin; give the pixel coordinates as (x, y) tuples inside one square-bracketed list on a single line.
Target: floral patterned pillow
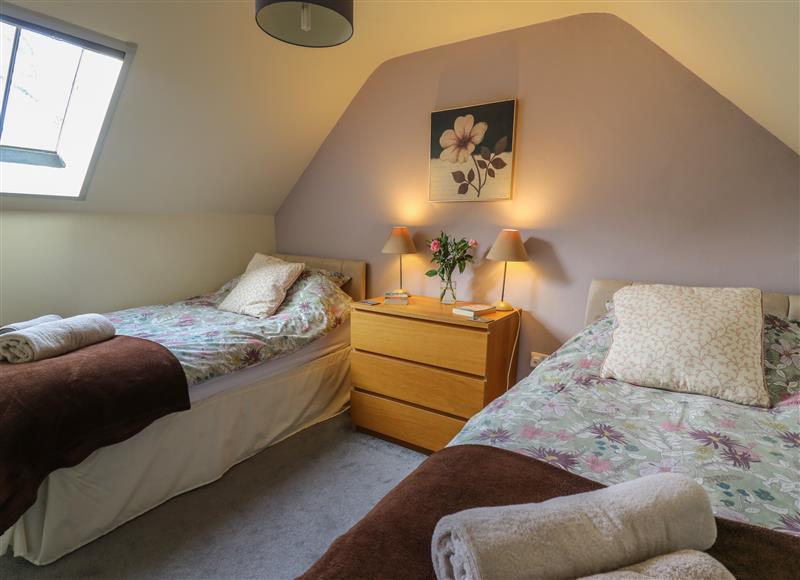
[(706, 341), (338, 278), (263, 286), (782, 357)]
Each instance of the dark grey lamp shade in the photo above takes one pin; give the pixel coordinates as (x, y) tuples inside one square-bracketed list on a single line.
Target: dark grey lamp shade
[(318, 23)]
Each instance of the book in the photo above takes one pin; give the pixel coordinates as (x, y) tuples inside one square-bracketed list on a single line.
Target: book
[(395, 297), (395, 294), (396, 300), (473, 311)]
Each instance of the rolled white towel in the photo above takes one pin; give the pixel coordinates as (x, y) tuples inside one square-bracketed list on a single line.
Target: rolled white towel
[(55, 338), (572, 536), (28, 323), (682, 565)]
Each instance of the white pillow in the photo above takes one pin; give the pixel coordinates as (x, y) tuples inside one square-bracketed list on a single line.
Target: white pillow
[(707, 341), (263, 286)]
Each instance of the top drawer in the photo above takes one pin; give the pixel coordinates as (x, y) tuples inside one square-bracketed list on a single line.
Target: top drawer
[(452, 347)]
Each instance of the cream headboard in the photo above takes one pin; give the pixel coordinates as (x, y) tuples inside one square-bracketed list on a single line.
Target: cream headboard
[(356, 287), (601, 292)]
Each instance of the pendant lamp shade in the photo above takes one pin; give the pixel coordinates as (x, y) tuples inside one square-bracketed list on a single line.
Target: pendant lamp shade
[(317, 23)]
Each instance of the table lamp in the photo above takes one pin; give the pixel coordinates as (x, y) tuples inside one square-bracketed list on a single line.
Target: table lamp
[(508, 248), (399, 242)]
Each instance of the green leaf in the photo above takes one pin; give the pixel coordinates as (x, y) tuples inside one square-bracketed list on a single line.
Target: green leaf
[(431, 273), (461, 266)]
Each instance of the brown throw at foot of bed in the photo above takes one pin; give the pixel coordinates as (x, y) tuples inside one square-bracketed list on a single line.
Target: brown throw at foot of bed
[(55, 412), (393, 541)]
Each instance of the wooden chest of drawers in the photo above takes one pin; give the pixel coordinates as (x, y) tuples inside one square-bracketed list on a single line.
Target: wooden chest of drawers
[(419, 371)]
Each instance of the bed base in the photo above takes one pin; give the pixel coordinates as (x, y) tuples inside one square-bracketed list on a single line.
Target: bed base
[(175, 454)]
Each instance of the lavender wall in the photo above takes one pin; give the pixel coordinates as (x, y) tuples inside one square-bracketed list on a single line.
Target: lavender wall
[(627, 166)]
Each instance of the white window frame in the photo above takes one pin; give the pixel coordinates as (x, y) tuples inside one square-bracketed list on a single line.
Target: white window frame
[(18, 16)]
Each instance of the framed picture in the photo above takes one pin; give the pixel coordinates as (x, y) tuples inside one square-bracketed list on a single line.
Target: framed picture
[(472, 152)]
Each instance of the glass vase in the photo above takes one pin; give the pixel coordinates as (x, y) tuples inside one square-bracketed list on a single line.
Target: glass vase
[(447, 292)]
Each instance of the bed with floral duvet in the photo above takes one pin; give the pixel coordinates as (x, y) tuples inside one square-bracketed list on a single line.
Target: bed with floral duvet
[(747, 458), (209, 342), (184, 450)]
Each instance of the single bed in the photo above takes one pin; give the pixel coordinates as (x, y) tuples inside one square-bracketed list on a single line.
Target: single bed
[(563, 430), (239, 406), (747, 458)]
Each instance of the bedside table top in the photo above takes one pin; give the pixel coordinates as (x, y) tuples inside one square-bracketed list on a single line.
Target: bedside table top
[(427, 308)]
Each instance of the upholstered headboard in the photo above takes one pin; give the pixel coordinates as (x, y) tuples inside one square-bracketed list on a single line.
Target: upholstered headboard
[(601, 292), (357, 270)]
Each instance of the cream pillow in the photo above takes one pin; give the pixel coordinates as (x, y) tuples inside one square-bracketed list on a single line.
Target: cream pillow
[(707, 341), (263, 286)]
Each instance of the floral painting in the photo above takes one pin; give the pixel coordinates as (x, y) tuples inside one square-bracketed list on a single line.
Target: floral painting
[(472, 152)]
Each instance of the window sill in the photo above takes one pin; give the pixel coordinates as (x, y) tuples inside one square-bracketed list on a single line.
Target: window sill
[(30, 157)]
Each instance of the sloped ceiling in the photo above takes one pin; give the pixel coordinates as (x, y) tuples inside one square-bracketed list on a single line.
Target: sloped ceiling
[(218, 117)]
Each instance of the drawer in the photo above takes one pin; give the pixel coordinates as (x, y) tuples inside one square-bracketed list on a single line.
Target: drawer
[(438, 389), (419, 427), (452, 347)]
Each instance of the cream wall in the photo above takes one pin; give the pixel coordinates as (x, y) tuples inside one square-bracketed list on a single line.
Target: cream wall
[(70, 263)]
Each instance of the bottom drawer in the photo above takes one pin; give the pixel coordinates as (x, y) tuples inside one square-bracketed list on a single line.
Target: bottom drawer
[(418, 427)]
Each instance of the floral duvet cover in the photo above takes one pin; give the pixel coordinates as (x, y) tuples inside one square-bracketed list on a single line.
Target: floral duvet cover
[(747, 458), (209, 342)]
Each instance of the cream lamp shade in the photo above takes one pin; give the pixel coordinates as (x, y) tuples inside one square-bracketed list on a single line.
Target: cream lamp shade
[(399, 242), (507, 248)]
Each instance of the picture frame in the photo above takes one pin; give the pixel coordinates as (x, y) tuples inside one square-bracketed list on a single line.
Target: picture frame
[(472, 152)]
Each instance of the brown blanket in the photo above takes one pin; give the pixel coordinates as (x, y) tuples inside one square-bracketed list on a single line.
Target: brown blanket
[(393, 541), (55, 412)]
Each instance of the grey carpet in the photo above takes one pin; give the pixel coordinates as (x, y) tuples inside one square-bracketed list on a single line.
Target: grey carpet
[(269, 517)]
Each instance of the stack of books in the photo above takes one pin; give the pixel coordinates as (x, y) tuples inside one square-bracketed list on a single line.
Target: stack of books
[(473, 311), (395, 298)]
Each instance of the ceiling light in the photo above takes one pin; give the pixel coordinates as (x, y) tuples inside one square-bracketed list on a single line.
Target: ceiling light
[(319, 23)]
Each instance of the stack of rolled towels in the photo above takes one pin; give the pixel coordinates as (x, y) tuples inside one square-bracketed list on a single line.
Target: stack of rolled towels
[(652, 527), (50, 336)]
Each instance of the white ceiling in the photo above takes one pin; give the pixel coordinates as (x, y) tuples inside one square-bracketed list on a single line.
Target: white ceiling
[(218, 117)]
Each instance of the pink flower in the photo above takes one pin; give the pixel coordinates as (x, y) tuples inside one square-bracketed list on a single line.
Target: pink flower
[(666, 465), (598, 465), (531, 431), (436, 245), (563, 435), (672, 427), (473, 243)]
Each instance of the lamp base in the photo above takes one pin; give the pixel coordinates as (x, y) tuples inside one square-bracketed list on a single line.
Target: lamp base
[(400, 291), (503, 306)]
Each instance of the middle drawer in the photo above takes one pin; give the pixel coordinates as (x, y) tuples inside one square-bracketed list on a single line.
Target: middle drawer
[(437, 389)]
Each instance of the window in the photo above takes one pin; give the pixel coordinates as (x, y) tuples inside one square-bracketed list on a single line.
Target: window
[(58, 85)]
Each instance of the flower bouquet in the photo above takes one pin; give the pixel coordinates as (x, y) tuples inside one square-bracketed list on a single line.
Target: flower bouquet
[(449, 254)]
